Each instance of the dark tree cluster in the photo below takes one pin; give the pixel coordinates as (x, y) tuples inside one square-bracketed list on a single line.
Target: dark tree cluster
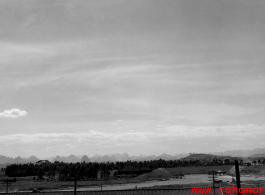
[(84, 171), (63, 170)]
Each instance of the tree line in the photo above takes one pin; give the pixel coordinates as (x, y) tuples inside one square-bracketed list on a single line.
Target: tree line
[(84, 171)]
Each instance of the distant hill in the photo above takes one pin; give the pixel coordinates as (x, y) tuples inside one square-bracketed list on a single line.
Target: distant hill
[(143, 158), (5, 160), (32, 159), (210, 157), (202, 156), (17, 160), (259, 152), (163, 156), (69, 159), (122, 157), (258, 155), (85, 159), (241, 153), (58, 158), (115, 158), (166, 157), (72, 158)]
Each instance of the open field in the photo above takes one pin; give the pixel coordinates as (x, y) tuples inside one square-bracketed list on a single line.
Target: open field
[(257, 169), (27, 184), (183, 191)]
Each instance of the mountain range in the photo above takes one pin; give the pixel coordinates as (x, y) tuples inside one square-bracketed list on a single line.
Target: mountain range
[(96, 158), (258, 152), (17, 160), (114, 158)]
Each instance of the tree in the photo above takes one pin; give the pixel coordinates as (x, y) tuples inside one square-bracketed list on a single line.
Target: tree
[(226, 161), (40, 174)]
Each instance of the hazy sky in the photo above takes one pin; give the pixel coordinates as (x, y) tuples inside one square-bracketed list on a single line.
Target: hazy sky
[(141, 76)]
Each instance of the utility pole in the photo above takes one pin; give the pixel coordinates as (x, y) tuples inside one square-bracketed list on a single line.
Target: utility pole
[(75, 184), (213, 183), (76, 170), (212, 178), (7, 185), (7, 182), (237, 176)]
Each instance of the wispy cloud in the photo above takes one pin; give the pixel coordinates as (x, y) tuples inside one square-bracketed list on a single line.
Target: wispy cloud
[(13, 113), (119, 64), (170, 139)]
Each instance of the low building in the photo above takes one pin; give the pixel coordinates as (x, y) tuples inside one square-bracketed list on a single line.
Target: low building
[(219, 172), (113, 174), (40, 162), (133, 171)]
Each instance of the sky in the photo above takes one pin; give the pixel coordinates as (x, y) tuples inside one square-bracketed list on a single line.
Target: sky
[(141, 77)]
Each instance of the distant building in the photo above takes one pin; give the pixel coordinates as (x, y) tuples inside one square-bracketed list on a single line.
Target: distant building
[(40, 162), (133, 171), (113, 174), (219, 172)]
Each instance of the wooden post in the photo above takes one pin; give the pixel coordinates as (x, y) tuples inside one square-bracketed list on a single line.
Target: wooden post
[(213, 183), (237, 176), (7, 182), (7, 185), (75, 184)]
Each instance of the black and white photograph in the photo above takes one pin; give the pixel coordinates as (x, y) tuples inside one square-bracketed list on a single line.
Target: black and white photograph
[(133, 97)]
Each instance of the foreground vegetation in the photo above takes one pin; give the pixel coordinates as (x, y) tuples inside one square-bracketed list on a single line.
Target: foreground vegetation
[(89, 171), (60, 175)]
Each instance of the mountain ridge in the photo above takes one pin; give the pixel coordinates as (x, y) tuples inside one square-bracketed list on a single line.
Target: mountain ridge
[(241, 153), (258, 152)]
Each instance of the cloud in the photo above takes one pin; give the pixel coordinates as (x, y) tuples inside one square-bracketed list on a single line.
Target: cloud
[(13, 113), (165, 138)]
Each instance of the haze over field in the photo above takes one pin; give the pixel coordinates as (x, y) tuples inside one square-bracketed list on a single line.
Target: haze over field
[(137, 77)]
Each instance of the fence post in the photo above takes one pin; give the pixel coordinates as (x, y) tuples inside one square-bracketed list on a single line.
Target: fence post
[(75, 184), (237, 176), (7, 186), (213, 182)]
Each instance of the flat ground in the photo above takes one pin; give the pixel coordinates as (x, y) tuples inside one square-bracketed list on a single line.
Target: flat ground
[(121, 192), (27, 183)]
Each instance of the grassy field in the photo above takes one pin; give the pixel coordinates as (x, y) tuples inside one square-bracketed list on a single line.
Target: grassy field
[(28, 184), (257, 169)]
